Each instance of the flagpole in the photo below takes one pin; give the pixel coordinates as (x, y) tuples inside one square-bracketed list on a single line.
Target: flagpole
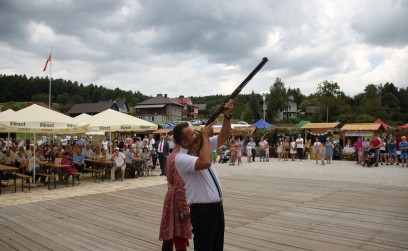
[(49, 95)]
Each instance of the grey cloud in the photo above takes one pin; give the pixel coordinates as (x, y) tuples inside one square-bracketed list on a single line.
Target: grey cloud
[(383, 23)]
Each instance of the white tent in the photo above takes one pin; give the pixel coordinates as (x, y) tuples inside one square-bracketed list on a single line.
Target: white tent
[(114, 121), (81, 117), (38, 119), (6, 113)]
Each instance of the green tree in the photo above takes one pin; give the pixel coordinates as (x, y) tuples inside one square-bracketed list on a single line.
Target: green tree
[(277, 99)]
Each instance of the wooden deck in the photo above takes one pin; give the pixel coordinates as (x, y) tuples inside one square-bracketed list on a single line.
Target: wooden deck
[(262, 213)]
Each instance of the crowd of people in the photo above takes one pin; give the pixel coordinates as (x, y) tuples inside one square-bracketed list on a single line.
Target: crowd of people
[(382, 151), (131, 155)]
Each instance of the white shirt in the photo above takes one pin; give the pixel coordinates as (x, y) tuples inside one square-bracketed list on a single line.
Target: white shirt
[(299, 143), (105, 145), (200, 186), (120, 159), (64, 141), (151, 143)]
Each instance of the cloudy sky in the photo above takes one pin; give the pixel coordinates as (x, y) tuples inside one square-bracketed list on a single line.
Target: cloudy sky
[(183, 47)]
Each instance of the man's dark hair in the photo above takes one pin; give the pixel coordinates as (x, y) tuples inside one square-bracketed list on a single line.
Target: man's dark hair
[(178, 134)]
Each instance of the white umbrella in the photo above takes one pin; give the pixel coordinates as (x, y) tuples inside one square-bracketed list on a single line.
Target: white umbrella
[(2, 115), (114, 121), (38, 119)]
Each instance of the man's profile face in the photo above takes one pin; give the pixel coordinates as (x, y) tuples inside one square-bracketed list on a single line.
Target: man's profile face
[(189, 135)]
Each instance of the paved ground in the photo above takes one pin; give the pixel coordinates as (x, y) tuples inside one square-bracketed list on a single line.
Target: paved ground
[(268, 206)]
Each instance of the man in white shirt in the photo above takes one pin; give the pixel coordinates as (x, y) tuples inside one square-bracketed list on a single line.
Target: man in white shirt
[(203, 189), (299, 147), (119, 162)]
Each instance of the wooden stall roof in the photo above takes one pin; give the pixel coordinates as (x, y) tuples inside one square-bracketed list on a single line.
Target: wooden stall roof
[(362, 127), (321, 125), (163, 131)]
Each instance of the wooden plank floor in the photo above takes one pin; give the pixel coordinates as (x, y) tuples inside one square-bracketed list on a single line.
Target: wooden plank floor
[(262, 213)]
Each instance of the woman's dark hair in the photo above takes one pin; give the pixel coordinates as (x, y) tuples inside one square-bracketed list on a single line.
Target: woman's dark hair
[(178, 134), (145, 148)]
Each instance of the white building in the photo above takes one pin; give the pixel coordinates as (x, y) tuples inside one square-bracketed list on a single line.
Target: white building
[(290, 112)]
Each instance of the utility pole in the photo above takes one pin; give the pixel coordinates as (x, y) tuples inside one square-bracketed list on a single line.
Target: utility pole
[(264, 105)]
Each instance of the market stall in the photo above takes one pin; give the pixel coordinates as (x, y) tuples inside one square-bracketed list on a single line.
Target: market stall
[(317, 129)]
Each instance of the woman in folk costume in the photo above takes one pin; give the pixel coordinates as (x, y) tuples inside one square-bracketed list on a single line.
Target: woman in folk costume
[(175, 225)]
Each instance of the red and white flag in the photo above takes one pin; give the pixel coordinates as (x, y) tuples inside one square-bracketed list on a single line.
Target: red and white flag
[(46, 62)]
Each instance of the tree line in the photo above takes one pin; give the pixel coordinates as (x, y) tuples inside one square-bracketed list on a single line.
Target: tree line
[(19, 88), (385, 101)]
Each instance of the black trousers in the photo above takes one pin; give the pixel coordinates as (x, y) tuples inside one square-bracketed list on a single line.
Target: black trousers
[(300, 153), (162, 162), (208, 226), (253, 154)]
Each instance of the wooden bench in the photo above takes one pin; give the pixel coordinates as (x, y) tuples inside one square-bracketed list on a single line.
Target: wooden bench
[(23, 177), (49, 176), (96, 173), (75, 176)]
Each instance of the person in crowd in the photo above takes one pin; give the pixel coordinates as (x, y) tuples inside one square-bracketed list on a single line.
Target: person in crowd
[(239, 154), (78, 159), (250, 145), (392, 150), (214, 156), (316, 149), (105, 143), (130, 158), (119, 163), (403, 146), (34, 165), (153, 149), (383, 153), (329, 150), (299, 147), (172, 145), (67, 171), (175, 226), (147, 160), (266, 147), (376, 144), (357, 146), (286, 146), (279, 149), (7, 159), (203, 190), (293, 150), (253, 149), (88, 154), (233, 152), (322, 153), (163, 151), (365, 146), (262, 154), (97, 154)]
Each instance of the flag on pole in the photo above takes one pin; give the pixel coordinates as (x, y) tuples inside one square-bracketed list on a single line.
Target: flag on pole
[(46, 62)]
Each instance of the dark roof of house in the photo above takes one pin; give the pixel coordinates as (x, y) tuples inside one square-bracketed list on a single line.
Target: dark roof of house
[(159, 100), (92, 108), (118, 102), (201, 106)]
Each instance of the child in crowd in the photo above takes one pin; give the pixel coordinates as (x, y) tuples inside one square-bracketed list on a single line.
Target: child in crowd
[(233, 153), (322, 151), (317, 146), (239, 155)]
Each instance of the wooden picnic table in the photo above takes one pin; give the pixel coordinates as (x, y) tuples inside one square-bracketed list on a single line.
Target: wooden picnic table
[(8, 169)]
